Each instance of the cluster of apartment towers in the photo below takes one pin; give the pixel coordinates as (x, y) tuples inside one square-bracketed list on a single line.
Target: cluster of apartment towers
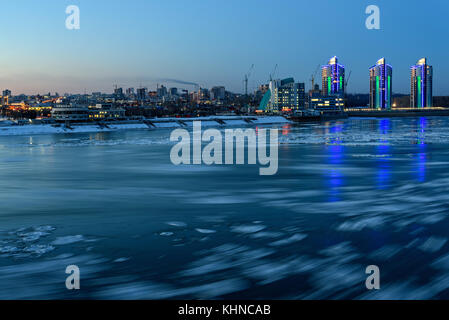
[(285, 94)]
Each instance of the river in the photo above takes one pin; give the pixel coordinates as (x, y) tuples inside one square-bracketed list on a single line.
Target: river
[(348, 194)]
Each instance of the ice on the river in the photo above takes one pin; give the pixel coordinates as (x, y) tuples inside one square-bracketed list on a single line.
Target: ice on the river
[(68, 240), (25, 242), (155, 123)]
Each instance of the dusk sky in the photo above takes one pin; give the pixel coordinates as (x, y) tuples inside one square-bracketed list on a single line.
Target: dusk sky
[(213, 42)]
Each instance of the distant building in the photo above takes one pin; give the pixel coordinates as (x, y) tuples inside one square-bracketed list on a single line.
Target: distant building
[(141, 94), (218, 93), (203, 94), (315, 91), (185, 94), (173, 91), (118, 93), (260, 93), (381, 85), (421, 85), (333, 78), (263, 88), (193, 96), (5, 97), (162, 91), (286, 95), (130, 92)]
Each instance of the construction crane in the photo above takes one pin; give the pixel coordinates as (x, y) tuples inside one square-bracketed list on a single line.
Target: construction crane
[(247, 76), (347, 79), (314, 77)]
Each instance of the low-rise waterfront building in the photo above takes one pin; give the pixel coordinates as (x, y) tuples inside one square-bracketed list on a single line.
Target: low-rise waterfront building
[(286, 96), (70, 113), (106, 112), (334, 103), (84, 113)]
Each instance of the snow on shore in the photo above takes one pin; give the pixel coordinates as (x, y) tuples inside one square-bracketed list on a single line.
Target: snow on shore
[(36, 129)]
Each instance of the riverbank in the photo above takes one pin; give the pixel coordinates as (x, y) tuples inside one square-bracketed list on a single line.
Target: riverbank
[(156, 123), (399, 113), (371, 114)]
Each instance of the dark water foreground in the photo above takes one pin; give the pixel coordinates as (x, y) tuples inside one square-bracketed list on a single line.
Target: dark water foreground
[(348, 194)]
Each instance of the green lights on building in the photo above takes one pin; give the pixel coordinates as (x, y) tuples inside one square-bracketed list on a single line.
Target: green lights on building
[(378, 92), (389, 92), (333, 78), (419, 93), (381, 85)]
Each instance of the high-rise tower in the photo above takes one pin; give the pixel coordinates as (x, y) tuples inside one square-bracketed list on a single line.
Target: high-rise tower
[(421, 85), (333, 78), (381, 85)]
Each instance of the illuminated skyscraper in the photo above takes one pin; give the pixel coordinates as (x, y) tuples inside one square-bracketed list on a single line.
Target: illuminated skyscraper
[(333, 78), (421, 85), (380, 85)]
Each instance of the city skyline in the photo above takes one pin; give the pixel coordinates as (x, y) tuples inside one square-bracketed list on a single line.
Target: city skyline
[(212, 44)]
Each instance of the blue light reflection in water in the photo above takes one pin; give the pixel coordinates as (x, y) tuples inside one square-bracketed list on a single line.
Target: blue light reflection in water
[(384, 157), (335, 154), (421, 156)]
